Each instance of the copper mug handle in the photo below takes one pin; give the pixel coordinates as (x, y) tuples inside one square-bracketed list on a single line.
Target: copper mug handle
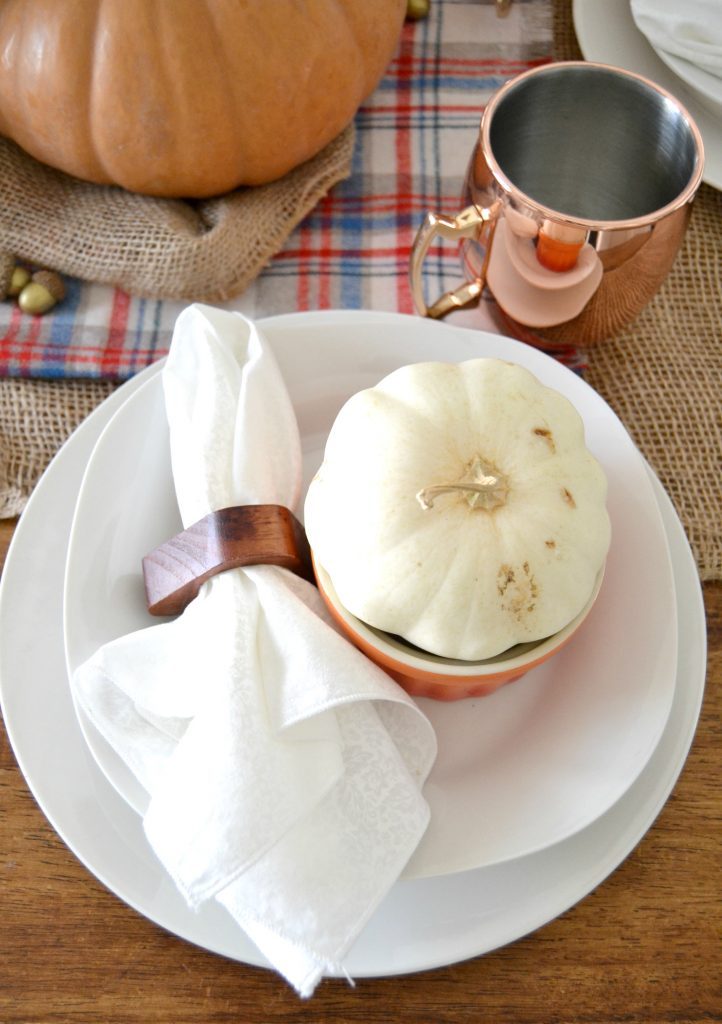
[(468, 224)]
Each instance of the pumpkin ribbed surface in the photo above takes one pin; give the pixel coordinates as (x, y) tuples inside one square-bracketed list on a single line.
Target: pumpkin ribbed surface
[(458, 507), (187, 97)]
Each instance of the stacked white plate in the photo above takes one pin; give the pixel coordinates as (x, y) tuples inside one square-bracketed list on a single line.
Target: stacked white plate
[(539, 791), (607, 33)]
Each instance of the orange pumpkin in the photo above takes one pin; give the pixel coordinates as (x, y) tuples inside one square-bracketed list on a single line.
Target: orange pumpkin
[(187, 97)]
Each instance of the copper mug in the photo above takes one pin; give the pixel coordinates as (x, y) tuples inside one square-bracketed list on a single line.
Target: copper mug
[(576, 199)]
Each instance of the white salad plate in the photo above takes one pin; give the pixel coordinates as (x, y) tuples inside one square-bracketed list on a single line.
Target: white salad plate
[(423, 923), (607, 33), (517, 771)]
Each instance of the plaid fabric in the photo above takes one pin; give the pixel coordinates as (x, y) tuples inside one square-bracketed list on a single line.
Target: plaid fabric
[(414, 138)]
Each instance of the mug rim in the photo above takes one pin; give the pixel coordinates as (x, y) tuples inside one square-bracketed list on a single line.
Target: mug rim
[(513, 191)]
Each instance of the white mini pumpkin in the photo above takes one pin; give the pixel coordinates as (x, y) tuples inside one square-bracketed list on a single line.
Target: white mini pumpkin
[(458, 507)]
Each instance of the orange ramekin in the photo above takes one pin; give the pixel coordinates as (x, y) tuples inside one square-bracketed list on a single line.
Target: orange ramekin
[(423, 674)]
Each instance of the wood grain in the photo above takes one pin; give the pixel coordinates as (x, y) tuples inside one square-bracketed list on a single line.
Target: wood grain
[(643, 948), (226, 539)]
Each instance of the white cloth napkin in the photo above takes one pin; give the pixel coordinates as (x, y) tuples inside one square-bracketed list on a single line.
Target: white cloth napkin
[(691, 29), (284, 769)]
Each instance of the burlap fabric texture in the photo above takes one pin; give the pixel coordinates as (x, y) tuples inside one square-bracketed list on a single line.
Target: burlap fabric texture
[(663, 378), (36, 417), (205, 250), (662, 374)]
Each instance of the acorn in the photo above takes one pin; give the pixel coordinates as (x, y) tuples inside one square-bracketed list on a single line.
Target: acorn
[(417, 9), (44, 290), (18, 279)]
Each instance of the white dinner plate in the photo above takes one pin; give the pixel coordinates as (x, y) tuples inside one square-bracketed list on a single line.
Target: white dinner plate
[(607, 32), (706, 86), (422, 923), (517, 771)]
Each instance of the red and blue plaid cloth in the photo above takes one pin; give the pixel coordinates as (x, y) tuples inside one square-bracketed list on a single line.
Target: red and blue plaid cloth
[(413, 141)]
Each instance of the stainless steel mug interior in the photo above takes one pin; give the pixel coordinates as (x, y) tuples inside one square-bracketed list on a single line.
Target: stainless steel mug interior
[(576, 200), (593, 145)]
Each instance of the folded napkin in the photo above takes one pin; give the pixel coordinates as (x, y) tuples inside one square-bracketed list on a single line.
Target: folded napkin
[(284, 769), (691, 30)]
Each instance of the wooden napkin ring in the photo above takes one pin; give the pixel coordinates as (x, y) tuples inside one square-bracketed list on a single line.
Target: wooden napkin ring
[(226, 539)]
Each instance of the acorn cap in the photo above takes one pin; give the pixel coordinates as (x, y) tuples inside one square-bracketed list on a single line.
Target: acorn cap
[(52, 282), (7, 265)]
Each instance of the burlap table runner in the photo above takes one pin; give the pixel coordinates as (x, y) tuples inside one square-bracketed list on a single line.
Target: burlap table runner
[(662, 376), (204, 251), (36, 417)]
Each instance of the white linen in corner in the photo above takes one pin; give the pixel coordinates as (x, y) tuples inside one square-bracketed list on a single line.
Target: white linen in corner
[(691, 29), (284, 769)]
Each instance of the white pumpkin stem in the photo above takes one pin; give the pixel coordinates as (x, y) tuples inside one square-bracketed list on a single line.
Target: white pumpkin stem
[(426, 495), (482, 488)]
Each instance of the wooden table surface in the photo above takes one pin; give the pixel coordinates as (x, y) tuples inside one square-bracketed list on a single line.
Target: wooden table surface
[(643, 947)]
